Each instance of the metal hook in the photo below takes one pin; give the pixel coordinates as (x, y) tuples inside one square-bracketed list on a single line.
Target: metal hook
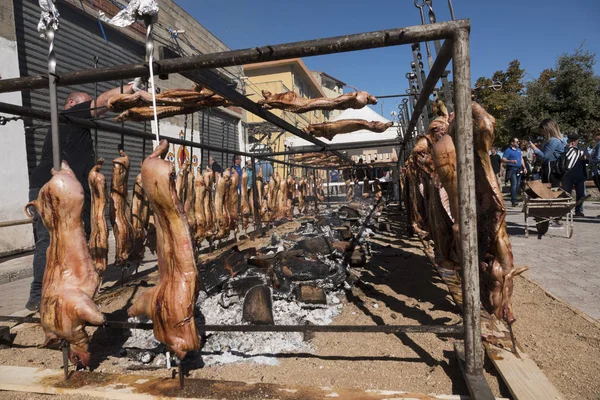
[(431, 13)]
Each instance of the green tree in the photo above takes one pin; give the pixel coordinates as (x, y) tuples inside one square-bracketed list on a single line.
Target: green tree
[(569, 93), (499, 101)]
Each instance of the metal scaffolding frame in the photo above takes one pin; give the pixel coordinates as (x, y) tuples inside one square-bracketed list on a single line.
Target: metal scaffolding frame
[(456, 47)]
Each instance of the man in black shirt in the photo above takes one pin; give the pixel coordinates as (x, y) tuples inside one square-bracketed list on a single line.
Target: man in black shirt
[(76, 148), (496, 160), (214, 166)]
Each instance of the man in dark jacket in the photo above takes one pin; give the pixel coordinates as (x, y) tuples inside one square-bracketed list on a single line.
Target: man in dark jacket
[(575, 175)]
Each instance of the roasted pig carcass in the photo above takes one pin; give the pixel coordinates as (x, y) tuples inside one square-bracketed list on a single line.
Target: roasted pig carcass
[(138, 106), (272, 193), (99, 229), (329, 129), (221, 211), (495, 251), (282, 199), (233, 200), (302, 196), (119, 209), (181, 181), (349, 190), (171, 97), (199, 204), (289, 206), (291, 101), (138, 221), (245, 204), (190, 200), (209, 205), (170, 304), (259, 184), (71, 279)]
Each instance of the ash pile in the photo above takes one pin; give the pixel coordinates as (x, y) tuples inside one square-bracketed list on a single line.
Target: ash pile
[(297, 279)]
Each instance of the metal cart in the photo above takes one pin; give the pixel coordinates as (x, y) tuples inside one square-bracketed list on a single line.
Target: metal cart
[(546, 210)]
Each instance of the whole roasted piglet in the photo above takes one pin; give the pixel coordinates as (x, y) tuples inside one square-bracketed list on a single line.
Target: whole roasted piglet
[(170, 304), (70, 279)]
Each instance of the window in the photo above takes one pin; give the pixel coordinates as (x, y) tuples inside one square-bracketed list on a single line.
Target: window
[(387, 156)]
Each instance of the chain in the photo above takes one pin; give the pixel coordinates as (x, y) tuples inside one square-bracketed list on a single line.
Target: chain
[(5, 120)]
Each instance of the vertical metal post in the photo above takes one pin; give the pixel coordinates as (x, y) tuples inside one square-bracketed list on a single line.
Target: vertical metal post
[(451, 9), (53, 98), (123, 124), (255, 200), (467, 201), (328, 189), (314, 171), (95, 106)]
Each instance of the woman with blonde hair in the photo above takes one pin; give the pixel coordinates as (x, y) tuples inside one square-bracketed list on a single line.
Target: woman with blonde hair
[(551, 150)]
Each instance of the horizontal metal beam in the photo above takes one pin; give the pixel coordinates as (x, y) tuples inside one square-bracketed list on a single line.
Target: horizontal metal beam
[(339, 146), (308, 48), (442, 329), (435, 73), (210, 80), (45, 116), (15, 223)]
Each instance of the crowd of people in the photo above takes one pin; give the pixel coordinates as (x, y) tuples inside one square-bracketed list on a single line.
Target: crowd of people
[(554, 158)]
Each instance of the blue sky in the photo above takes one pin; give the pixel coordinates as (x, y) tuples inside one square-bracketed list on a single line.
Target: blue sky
[(535, 32)]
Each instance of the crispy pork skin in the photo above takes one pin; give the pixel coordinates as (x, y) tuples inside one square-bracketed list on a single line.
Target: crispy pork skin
[(138, 216), (329, 129), (291, 101), (245, 203), (70, 279), (99, 229), (119, 209), (170, 304)]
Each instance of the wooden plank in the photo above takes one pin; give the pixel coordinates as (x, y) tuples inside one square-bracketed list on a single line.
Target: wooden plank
[(524, 378), (521, 374), (139, 387)]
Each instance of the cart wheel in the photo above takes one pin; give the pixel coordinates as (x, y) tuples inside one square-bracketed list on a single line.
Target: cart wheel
[(542, 227)]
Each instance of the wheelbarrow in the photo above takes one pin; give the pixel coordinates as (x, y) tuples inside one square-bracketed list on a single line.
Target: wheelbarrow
[(546, 210), (545, 204)]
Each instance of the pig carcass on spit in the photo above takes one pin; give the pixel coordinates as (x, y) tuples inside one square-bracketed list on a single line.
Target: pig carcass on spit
[(199, 204), (329, 129), (70, 279), (281, 199), (245, 204), (99, 229), (290, 101), (181, 181), (209, 205), (259, 184), (119, 209), (138, 221), (272, 193), (233, 200), (289, 206), (349, 189), (190, 200), (302, 196), (221, 209), (170, 304)]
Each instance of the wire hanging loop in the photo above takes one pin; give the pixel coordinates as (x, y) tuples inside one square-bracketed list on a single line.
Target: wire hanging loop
[(150, 56), (431, 13)]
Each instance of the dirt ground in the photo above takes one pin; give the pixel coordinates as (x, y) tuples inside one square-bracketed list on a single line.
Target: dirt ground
[(397, 286)]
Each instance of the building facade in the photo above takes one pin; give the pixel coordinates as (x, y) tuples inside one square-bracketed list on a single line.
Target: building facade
[(83, 42), (332, 87), (278, 77)]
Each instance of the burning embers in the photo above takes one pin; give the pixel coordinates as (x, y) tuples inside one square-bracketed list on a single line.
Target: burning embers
[(295, 280)]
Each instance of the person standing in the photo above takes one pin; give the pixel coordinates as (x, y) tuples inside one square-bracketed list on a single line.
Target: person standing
[(496, 161), (77, 149), (267, 170), (552, 148), (513, 158), (334, 178), (237, 165), (249, 172), (575, 175), (214, 166), (359, 176), (595, 162)]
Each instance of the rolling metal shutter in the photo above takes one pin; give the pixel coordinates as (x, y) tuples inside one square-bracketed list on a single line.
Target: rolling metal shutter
[(77, 41), (220, 130)]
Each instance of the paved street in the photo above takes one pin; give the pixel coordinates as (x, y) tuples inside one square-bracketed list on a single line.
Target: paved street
[(567, 268)]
